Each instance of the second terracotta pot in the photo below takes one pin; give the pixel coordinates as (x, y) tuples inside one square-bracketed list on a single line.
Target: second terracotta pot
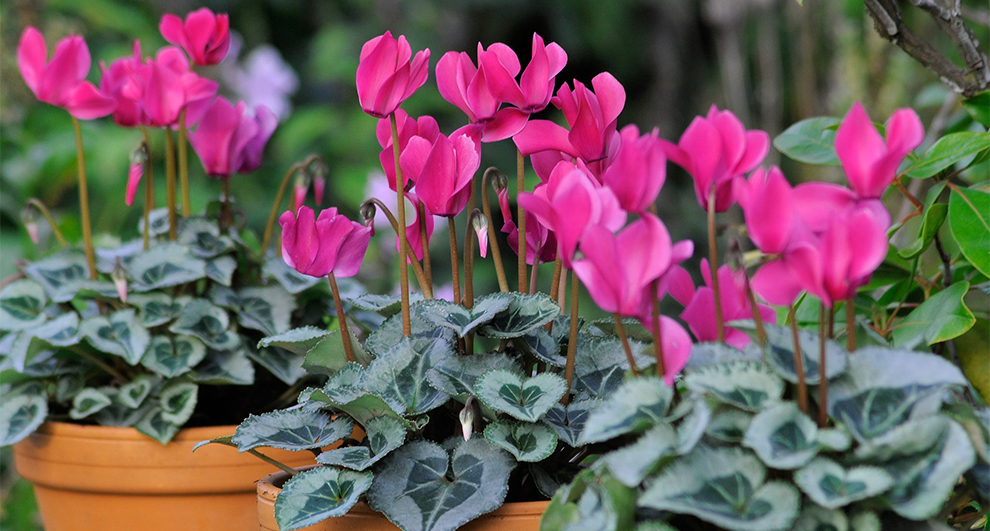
[(524, 516)]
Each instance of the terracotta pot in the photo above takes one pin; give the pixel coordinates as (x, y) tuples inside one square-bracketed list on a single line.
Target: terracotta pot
[(89, 478), (523, 516)]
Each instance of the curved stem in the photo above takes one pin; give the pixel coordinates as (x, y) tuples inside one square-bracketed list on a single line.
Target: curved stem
[(149, 187), (571, 340), (273, 214), (713, 262), (403, 242), (424, 284), (521, 215), (503, 282), (51, 220), (621, 330), (84, 201), (802, 390), (170, 189), (823, 381), (184, 164), (454, 267), (424, 239), (345, 336)]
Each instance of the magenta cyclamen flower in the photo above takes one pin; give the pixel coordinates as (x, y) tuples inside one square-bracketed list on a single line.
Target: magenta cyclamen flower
[(385, 75), (229, 140), (204, 35), (421, 216), (533, 91), (466, 87), (328, 244), (541, 242), (871, 163), (676, 346), (120, 82), (62, 81), (716, 150), (638, 170), (443, 171), (770, 211), (407, 127)]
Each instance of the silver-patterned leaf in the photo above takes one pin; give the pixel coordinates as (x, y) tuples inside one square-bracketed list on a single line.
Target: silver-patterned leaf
[(523, 399), (154, 425), (637, 405), (600, 365), (694, 426), (168, 264), (268, 309), (157, 221), (178, 401), (221, 270), (383, 434), (399, 375), (291, 429), (705, 354), (729, 424), (121, 334), (747, 385), (633, 463), (460, 319), (21, 414), (285, 365), (328, 355), (779, 353), (154, 308), (525, 314), (293, 281), (456, 375), (22, 305), (172, 355), (231, 367), (815, 518), (542, 346), (61, 274), (527, 441), (203, 237), (202, 319), (419, 487), (298, 340), (783, 436), (387, 305), (390, 332), (831, 486), (315, 495), (568, 421), (87, 402), (133, 393), (345, 391)]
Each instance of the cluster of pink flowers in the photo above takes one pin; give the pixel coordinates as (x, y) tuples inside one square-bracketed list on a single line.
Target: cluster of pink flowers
[(163, 91)]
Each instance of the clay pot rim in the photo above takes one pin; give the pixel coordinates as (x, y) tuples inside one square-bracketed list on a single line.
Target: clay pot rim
[(267, 489), (96, 431)]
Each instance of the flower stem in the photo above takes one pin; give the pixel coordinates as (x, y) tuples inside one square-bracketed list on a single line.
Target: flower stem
[(149, 187), (503, 283), (184, 164), (533, 274), (273, 214), (850, 325), (468, 300), (521, 214), (424, 284), (761, 333), (802, 390), (571, 340), (822, 379), (657, 339), (274, 462), (555, 286), (403, 243), (51, 221), (99, 363), (226, 220), (170, 182), (424, 239), (84, 201), (345, 336), (454, 267), (713, 263), (621, 330)]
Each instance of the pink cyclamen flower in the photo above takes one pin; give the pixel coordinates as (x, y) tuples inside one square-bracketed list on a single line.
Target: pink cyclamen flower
[(385, 75), (869, 162), (406, 127), (638, 170), (676, 346), (699, 309), (533, 91), (466, 87), (139, 157), (328, 244), (118, 81), (443, 171), (205, 36), (541, 242), (617, 269), (62, 81), (229, 140), (422, 217), (717, 150), (769, 208)]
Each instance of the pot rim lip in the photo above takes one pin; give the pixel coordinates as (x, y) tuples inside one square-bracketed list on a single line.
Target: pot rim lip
[(95, 431), (266, 486)]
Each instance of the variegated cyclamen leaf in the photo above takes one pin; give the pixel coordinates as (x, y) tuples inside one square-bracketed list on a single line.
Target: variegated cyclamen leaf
[(178, 401), (525, 314), (705, 354), (780, 354), (291, 429), (293, 281), (61, 274), (387, 305), (133, 393), (315, 495), (600, 365), (865, 521), (157, 221), (524, 399), (568, 421), (527, 441), (694, 426), (164, 265), (345, 391), (637, 405), (542, 346), (154, 425), (745, 384), (399, 375), (298, 340), (231, 367), (221, 270), (882, 388), (419, 487), (831, 486), (460, 319), (383, 434), (62, 331), (209, 323), (121, 334), (285, 365), (729, 424), (783, 436), (456, 375), (390, 332), (22, 305), (87, 402), (328, 355), (815, 518), (591, 503), (724, 486), (154, 308), (203, 237), (172, 355), (21, 414), (633, 463), (267, 309)]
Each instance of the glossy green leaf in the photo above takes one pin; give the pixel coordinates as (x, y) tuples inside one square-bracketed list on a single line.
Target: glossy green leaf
[(945, 153), (811, 141), (942, 317), (979, 108), (969, 221)]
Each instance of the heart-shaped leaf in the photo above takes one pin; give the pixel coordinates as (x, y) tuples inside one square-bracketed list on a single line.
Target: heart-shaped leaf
[(20, 414), (783, 436), (61, 274), (173, 355), (400, 375), (729, 424), (154, 308), (457, 375), (745, 384), (221, 270), (291, 429), (568, 421), (726, 487), (815, 518), (209, 323), (524, 314), (637, 405), (164, 265), (122, 334), (460, 319), (22, 305), (419, 487), (154, 425), (87, 402), (831, 486), (203, 238), (267, 309), (542, 346), (390, 333), (63, 331), (345, 391), (383, 434), (315, 495), (600, 365), (293, 281), (133, 393), (631, 464), (285, 365), (157, 222), (231, 367), (506, 391), (694, 425), (527, 441), (779, 353)]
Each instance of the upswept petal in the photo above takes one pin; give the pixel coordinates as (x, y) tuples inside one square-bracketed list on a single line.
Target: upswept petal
[(543, 135), (859, 147), (32, 54), (86, 102)]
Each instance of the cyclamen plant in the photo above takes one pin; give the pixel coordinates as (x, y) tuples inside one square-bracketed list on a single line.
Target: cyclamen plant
[(145, 333), (438, 411)]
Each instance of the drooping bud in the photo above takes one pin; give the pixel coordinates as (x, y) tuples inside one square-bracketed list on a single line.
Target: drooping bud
[(466, 416), (300, 188), (119, 276), (498, 179), (319, 170), (139, 159), (480, 223), (368, 212), (29, 216)]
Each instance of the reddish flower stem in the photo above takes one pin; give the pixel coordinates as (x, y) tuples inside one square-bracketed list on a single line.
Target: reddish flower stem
[(621, 330), (571, 340), (521, 215), (455, 270), (84, 201), (713, 263), (403, 243), (802, 389), (345, 336)]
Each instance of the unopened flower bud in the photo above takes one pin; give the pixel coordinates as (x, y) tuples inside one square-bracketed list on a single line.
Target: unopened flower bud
[(498, 179), (319, 170), (480, 223), (29, 216), (368, 212), (119, 276), (466, 416), (139, 159), (300, 188)]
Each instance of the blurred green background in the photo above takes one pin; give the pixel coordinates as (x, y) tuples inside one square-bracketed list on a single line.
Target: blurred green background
[(772, 62)]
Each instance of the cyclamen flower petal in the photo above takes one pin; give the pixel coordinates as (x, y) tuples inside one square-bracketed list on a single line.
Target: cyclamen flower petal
[(699, 312), (533, 91), (329, 244), (385, 75), (676, 346), (205, 36), (407, 128), (769, 210), (228, 140), (134, 175), (444, 175), (541, 242), (638, 170), (871, 163)]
